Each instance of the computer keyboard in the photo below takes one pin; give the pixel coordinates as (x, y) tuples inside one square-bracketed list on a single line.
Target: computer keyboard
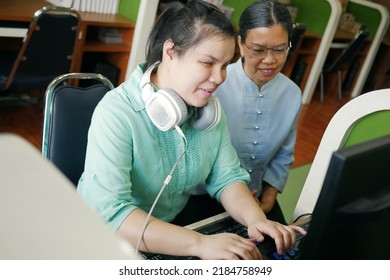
[(228, 224)]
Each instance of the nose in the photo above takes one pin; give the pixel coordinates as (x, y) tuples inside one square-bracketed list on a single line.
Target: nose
[(218, 76), (269, 56)]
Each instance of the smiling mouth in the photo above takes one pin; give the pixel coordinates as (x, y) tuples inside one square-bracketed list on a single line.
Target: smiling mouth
[(207, 92), (267, 71)]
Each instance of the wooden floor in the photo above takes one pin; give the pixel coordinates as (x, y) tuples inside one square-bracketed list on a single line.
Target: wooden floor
[(27, 121)]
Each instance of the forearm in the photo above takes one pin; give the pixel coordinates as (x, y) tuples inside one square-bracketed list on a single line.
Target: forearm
[(159, 237), (240, 204)]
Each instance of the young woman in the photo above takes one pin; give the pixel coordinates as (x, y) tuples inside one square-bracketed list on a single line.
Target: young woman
[(159, 134)]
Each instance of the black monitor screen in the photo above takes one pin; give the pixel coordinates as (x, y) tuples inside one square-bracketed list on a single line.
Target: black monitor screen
[(351, 219)]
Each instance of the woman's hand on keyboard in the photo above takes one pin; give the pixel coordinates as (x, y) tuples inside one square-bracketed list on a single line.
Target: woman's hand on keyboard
[(227, 246), (284, 236)]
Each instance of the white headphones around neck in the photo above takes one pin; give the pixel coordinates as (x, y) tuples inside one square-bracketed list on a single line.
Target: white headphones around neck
[(167, 110)]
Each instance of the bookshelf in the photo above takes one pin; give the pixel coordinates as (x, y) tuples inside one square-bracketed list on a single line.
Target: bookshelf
[(93, 51)]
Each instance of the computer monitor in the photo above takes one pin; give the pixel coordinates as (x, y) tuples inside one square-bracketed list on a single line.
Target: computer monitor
[(351, 219)]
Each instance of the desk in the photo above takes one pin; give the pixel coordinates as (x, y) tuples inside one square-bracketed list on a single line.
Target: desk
[(89, 50)]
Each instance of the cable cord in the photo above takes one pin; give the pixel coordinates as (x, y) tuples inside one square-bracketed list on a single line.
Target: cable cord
[(166, 182)]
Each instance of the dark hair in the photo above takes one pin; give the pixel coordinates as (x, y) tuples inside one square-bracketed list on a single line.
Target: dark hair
[(264, 13), (186, 25)]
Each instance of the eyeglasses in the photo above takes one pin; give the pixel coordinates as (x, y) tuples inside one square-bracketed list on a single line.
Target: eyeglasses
[(261, 52)]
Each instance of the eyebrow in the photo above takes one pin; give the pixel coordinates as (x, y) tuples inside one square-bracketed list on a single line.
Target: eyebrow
[(211, 57), (225, 63), (260, 45)]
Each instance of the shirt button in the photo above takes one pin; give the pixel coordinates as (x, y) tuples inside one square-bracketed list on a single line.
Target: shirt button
[(253, 157), (255, 142), (250, 170), (261, 95), (259, 112), (257, 127)]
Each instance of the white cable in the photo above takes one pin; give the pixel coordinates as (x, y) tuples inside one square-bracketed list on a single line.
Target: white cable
[(166, 182)]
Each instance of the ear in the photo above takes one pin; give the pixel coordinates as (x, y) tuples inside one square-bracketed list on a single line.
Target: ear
[(168, 50), (240, 45)]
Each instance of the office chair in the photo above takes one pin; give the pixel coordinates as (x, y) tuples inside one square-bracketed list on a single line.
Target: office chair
[(364, 118), (343, 61), (47, 51), (67, 115)]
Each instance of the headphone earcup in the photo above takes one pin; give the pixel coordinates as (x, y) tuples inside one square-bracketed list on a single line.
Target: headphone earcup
[(207, 117), (166, 109)]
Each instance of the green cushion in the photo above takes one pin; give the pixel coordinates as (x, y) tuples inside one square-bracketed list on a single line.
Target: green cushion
[(369, 127), (289, 197)]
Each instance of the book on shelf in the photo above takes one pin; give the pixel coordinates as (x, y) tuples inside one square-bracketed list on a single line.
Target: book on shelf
[(110, 35), (92, 6), (76, 5), (61, 3)]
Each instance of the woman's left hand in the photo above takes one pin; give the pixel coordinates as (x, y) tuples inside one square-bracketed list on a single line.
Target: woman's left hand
[(284, 236)]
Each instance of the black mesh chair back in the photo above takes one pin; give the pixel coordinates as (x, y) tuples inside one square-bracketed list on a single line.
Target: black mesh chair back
[(47, 50), (348, 54), (67, 117), (344, 60)]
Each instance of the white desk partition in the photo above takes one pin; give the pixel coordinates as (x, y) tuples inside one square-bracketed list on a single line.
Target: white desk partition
[(381, 31), (338, 126), (323, 50), (146, 17)]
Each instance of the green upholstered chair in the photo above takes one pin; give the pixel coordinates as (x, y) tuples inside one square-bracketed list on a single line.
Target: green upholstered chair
[(363, 118)]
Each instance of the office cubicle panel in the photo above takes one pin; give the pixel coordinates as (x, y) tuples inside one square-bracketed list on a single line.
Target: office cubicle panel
[(239, 7), (322, 18), (375, 17), (358, 114)]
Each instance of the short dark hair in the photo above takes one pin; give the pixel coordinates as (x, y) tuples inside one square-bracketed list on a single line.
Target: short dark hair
[(186, 25), (265, 13)]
